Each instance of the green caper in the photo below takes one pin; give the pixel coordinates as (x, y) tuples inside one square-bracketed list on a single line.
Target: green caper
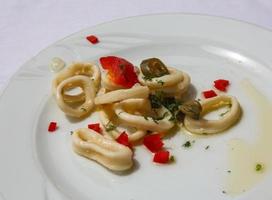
[(191, 108), (153, 67)]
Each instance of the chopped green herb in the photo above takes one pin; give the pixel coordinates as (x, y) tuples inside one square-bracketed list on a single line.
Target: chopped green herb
[(223, 114), (224, 192), (258, 167), (110, 127), (71, 132), (229, 171), (187, 144), (172, 159), (155, 101), (207, 147), (159, 99), (160, 82), (147, 78), (156, 119)]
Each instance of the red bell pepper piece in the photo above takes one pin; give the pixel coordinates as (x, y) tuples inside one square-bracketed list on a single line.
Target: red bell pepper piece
[(161, 157), (123, 139), (92, 39), (52, 126), (95, 127), (209, 94), (153, 142), (221, 84), (120, 71)]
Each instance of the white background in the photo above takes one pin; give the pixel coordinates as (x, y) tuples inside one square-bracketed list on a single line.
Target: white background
[(28, 26)]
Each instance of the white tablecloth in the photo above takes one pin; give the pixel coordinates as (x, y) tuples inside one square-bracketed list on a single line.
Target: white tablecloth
[(28, 26)]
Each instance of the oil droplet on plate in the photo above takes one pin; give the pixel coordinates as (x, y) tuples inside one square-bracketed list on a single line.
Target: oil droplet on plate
[(57, 64)]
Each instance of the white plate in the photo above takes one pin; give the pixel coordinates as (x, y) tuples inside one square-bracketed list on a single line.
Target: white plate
[(39, 165)]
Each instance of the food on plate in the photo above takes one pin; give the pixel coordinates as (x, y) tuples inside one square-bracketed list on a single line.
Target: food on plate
[(88, 88), (86, 69), (111, 124), (119, 73), (191, 109), (204, 126), (135, 104), (92, 39), (158, 77), (95, 146), (153, 120), (122, 94)]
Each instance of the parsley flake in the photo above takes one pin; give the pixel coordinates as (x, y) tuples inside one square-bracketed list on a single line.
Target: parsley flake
[(224, 113), (160, 82), (187, 144), (110, 127), (258, 167), (172, 159)]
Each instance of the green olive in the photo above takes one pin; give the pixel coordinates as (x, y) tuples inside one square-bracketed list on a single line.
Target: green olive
[(153, 67), (191, 108)]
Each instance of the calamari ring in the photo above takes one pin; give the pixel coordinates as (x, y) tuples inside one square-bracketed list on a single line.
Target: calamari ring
[(89, 92), (108, 153), (86, 69), (176, 90), (119, 95), (139, 121), (106, 120), (171, 79), (203, 126)]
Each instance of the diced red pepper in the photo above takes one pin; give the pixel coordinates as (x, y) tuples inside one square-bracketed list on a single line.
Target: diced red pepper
[(123, 139), (52, 126), (161, 157), (92, 39), (221, 84), (95, 127), (153, 142), (209, 94), (120, 71)]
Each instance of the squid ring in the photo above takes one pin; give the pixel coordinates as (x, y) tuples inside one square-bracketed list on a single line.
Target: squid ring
[(115, 132), (89, 90), (108, 153), (179, 89), (86, 69), (203, 126), (141, 122), (119, 95), (171, 79)]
